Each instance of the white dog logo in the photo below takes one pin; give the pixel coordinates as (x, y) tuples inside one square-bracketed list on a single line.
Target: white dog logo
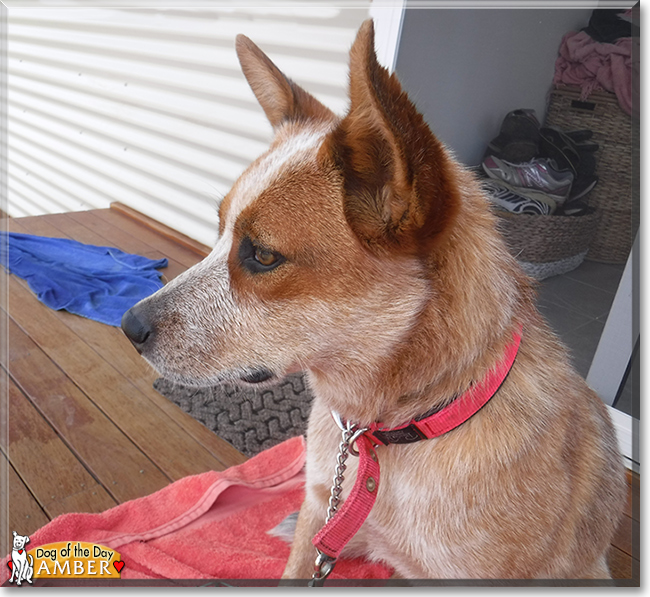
[(20, 568)]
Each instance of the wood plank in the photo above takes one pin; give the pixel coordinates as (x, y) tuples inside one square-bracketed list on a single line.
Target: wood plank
[(67, 227), (47, 466), (113, 347), (176, 453), (166, 231), (74, 226), (623, 556), (623, 537), (622, 566), (106, 451), (37, 225), (92, 499), (33, 225), (634, 496), (166, 245), (23, 513), (118, 237), (118, 351)]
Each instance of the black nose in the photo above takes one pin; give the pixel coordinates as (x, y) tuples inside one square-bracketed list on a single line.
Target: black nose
[(137, 327)]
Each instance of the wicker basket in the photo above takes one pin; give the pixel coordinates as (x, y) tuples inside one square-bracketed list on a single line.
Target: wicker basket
[(612, 196), (548, 245)]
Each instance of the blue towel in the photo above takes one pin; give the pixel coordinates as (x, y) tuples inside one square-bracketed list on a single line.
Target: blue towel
[(100, 283)]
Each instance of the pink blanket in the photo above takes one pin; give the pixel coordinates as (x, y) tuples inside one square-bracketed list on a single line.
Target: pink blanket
[(208, 526), (593, 65)]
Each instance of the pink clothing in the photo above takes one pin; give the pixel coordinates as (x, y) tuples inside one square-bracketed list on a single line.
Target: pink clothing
[(592, 66)]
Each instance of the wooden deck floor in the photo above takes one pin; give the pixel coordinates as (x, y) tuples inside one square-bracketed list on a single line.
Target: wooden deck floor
[(86, 430)]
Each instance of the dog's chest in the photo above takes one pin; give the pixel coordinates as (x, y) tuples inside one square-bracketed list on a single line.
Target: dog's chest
[(414, 510)]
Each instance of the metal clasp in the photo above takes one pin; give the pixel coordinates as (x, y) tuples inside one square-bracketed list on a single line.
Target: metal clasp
[(322, 568), (339, 421), (348, 427)]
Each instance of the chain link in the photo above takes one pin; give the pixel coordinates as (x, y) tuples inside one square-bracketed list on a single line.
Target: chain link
[(349, 433), (337, 481)]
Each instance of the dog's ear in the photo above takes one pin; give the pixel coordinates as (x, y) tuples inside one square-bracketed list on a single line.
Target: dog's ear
[(281, 99), (399, 194)]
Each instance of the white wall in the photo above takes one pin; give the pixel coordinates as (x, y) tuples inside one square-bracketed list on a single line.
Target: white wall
[(148, 106), (467, 68)]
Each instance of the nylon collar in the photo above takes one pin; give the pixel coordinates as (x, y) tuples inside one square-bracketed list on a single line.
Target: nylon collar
[(440, 421), (344, 524)]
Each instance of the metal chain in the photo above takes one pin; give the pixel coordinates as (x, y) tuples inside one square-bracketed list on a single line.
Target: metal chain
[(349, 433), (337, 481)]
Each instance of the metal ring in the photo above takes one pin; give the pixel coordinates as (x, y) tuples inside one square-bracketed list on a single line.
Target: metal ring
[(357, 434)]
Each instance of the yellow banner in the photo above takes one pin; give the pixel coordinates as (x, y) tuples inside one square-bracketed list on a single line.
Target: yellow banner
[(76, 559)]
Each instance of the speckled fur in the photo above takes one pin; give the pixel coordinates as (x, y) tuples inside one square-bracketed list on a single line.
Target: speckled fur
[(396, 294)]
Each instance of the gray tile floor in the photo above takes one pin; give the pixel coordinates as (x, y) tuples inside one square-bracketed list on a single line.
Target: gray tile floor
[(576, 305)]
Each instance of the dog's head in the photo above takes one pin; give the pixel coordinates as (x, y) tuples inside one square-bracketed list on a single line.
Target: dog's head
[(20, 541), (327, 241)]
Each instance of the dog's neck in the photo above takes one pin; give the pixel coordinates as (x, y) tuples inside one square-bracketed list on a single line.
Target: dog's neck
[(449, 347), (398, 395)]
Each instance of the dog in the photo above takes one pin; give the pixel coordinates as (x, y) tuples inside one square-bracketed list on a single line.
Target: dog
[(358, 250), (22, 564)]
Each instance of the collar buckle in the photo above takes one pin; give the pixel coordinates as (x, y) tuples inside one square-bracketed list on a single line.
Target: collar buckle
[(403, 435)]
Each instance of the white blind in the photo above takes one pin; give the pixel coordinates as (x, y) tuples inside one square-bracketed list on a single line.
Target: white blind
[(148, 106)]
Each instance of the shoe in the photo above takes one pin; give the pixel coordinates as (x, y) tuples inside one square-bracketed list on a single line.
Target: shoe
[(582, 185), (523, 202), (575, 208), (580, 136), (518, 138), (560, 148), (572, 151), (538, 174)]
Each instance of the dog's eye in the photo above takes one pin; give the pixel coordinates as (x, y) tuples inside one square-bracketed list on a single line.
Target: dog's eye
[(257, 259), (266, 258)]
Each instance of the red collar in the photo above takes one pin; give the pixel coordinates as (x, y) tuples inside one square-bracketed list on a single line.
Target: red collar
[(333, 537), (440, 421)]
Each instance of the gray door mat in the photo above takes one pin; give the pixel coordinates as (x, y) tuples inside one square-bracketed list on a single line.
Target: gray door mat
[(251, 420)]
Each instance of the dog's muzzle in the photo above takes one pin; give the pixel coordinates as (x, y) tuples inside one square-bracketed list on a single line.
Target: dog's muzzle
[(137, 327)]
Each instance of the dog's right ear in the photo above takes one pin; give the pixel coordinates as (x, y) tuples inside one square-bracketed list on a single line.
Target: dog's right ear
[(281, 99)]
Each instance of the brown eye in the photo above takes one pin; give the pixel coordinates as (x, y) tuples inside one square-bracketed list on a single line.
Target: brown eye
[(264, 257), (256, 259)]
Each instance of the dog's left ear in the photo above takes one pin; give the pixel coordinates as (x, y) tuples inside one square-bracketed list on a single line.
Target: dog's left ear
[(399, 192), (281, 99)]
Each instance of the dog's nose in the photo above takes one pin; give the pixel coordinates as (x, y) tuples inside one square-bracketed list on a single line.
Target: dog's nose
[(136, 327)]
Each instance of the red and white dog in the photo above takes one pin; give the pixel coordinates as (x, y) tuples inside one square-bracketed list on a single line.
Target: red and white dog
[(357, 249)]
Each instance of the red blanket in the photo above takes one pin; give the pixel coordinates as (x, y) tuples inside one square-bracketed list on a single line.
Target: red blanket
[(208, 526)]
